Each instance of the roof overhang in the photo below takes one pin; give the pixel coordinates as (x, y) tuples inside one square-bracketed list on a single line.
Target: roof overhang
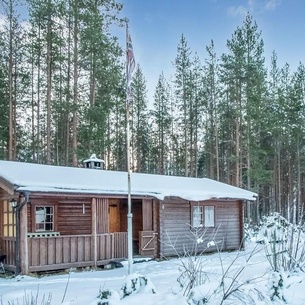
[(7, 187)]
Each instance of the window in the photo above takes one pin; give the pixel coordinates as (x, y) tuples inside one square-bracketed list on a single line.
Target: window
[(209, 219), (9, 221), (203, 216), (44, 218), (197, 216)]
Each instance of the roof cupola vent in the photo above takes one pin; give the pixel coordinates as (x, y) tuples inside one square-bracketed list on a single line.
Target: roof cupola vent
[(94, 162)]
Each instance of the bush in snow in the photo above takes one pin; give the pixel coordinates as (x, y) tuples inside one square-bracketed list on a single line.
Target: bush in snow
[(106, 296), (192, 273), (211, 294), (276, 286), (285, 243), (135, 283), (192, 261), (230, 287), (250, 232), (31, 299)]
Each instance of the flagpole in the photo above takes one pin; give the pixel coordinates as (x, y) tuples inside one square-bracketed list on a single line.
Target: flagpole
[(129, 213)]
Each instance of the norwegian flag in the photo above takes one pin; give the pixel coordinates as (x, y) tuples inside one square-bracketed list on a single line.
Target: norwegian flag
[(131, 63)]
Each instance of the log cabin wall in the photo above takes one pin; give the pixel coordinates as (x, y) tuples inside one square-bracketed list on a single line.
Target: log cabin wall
[(229, 222), (175, 226), (74, 217), (71, 216)]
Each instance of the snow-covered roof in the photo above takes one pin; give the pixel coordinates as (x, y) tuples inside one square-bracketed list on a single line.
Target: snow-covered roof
[(48, 178)]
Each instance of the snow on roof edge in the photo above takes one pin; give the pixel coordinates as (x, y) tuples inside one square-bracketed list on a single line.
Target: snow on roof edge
[(157, 195)]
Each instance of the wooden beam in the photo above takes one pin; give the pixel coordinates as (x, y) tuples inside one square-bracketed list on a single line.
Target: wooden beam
[(23, 240), (94, 230), (7, 187)]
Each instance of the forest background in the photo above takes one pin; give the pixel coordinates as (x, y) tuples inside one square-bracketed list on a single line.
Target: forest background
[(232, 117)]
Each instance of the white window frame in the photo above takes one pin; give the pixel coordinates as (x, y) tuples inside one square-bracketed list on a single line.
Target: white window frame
[(209, 216), (197, 216), (203, 216), (42, 225)]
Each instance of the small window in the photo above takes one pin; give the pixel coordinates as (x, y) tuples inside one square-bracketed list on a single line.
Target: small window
[(203, 216), (209, 219), (197, 216), (9, 221), (44, 217)]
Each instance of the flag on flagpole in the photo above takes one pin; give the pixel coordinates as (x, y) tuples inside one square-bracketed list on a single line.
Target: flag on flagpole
[(131, 63)]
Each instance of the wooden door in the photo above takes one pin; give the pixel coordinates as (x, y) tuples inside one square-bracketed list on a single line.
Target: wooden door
[(114, 218)]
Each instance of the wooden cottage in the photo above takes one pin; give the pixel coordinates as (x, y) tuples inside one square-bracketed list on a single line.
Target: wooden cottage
[(54, 217)]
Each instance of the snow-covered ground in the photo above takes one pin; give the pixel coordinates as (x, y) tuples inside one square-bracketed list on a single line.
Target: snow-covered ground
[(82, 288)]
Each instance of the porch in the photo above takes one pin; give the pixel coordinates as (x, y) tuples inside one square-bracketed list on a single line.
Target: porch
[(63, 252)]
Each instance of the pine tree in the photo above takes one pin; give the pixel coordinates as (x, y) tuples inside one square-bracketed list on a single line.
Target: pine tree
[(161, 122), (184, 102), (243, 76), (15, 74), (140, 126), (212, 96)]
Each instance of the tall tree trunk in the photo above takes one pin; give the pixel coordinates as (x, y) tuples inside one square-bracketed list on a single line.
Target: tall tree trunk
[(75, 87), (49, 68), (10, 86), (298, 215)]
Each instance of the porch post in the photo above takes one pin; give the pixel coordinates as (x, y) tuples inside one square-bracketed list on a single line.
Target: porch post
[(21, 230), (94, 230), (24, 257)]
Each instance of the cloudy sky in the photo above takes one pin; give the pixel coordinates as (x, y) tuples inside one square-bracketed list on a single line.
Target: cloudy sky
[(156, 27)]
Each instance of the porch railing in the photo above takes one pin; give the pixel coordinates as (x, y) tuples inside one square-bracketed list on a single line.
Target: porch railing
[(50, 253), (8, 245), (67, 251)]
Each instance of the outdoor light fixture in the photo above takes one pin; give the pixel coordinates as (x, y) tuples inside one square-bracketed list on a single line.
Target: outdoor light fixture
[(13, 203)]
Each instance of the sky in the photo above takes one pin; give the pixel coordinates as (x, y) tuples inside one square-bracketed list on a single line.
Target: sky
[(156, 27)]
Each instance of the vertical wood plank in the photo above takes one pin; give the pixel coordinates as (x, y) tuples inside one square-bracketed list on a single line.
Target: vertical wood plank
[(73, 249), (43, 249), (147, 214), (102, 215), (30, 259), (80, 249), (59, 250), (94, 231), (51, 251), (66, 250)]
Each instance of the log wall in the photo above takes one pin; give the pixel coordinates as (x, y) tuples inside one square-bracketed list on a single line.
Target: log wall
[(177, 235)]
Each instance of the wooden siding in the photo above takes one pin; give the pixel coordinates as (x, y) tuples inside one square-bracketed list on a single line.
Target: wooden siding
[(176, 231), (73, 217), (102, 215)]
